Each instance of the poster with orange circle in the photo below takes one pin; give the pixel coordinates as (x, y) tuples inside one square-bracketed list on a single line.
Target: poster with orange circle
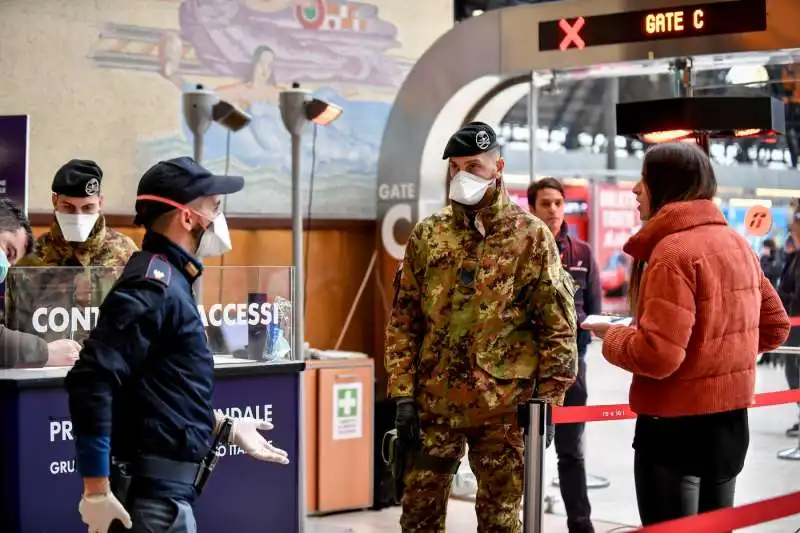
[(758, 221)]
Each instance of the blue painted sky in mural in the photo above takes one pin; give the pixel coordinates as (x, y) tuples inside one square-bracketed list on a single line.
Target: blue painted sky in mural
[(348, 146), (248, 51)]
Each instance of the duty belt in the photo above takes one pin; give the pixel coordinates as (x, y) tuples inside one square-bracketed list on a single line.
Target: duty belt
[(162, 469)]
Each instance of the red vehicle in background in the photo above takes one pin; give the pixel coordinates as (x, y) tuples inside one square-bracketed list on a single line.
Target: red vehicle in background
[(615, 274)]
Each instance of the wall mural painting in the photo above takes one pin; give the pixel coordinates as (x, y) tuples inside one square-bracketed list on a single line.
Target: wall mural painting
[(250, 50)]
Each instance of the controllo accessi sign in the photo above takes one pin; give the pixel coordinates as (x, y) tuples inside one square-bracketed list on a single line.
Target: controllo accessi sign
[(60, 319)]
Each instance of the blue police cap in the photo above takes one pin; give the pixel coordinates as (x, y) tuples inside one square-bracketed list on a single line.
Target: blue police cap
[(180, 180), (78, 178), (473, 139)]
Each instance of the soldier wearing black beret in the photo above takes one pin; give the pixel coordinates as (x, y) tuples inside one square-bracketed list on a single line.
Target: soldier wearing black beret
[(79, 236), (483, 319), (476, 167)]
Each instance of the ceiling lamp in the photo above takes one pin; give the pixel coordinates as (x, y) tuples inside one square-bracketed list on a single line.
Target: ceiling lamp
[(675, 119), (751, 75)]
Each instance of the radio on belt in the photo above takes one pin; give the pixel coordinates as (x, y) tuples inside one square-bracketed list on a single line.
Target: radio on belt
[(212, 458)]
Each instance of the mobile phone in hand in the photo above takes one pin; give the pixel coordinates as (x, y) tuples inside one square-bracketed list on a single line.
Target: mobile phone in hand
[(614, 320)]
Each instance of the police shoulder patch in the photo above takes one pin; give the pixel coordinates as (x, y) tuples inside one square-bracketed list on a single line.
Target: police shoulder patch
[(159, 270)]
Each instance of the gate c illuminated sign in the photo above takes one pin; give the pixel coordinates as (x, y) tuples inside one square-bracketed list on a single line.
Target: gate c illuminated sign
[(577, 33), (673, 22)]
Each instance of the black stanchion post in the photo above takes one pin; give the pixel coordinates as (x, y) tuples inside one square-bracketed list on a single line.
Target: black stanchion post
[(791, 454), (533, 418)]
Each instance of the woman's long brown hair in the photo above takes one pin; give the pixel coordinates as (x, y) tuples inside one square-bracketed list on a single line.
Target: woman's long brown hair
[(671, 172)]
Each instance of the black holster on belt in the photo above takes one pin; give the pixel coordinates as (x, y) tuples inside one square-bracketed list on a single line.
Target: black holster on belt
[(395, 456), (398, 457), (120, 481)]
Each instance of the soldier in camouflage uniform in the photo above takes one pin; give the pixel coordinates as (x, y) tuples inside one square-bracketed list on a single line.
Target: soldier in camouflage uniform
[(483, 320), (78, 238)]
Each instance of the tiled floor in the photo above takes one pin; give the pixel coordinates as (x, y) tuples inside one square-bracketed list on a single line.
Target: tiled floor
[(609, 455)]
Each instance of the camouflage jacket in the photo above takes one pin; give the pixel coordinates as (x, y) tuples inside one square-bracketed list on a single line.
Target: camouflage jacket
[(78, 286), (483, 316)]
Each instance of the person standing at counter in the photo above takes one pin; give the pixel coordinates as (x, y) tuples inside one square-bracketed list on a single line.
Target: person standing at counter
[(546, 200), (140, 394), (78, 238), (483, 320), (20, 349)]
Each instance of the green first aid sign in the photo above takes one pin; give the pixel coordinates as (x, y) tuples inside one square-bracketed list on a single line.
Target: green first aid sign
[(348, 399)]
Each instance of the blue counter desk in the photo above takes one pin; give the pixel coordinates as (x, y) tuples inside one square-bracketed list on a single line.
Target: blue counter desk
[(40, 490)]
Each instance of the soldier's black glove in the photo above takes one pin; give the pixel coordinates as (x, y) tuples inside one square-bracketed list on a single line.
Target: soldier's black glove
[(550, 434), (406, 422)]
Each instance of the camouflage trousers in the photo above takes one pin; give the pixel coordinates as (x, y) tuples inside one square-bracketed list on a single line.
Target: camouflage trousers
[(496, 457)]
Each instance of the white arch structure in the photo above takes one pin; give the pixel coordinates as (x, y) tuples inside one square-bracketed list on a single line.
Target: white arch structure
[(456, 78)]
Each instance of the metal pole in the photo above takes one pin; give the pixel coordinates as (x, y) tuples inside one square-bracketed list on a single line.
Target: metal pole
[(198, 148), (792, 454), (534, 414), (197, 287), (297, 252), (533, 124), (298, 320), (611, 97)]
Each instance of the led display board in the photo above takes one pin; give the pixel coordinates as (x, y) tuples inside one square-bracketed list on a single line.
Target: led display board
[(733, 16)]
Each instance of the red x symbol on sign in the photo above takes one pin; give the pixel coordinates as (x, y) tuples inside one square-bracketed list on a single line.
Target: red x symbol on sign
[(572, 33)]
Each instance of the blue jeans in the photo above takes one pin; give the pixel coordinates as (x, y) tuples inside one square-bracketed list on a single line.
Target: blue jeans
[(158, 516)]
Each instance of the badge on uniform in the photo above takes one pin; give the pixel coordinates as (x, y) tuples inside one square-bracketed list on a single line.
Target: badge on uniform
[(159, 270)]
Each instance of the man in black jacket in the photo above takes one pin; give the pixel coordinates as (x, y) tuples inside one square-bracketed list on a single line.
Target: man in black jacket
[(546, 200), (789, 292), (19, 349)]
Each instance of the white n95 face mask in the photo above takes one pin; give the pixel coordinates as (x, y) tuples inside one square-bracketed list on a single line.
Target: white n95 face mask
[(216, 239), (76, 227), (468, 189)]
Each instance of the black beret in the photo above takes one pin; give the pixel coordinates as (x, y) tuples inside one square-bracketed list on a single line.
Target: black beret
[(473, 139), (180, 180), (79, 178)]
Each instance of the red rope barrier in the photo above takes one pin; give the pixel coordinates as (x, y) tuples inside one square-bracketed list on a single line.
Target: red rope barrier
[(622, 411)]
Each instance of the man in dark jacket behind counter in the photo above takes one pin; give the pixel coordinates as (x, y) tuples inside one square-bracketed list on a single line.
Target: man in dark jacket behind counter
[(546, 200), (789, 292), (19, 349)]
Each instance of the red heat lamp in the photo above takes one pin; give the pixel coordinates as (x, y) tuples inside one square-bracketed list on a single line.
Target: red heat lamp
[(690, 118)]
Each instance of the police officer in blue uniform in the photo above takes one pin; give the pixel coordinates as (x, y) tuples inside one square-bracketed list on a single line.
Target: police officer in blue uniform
[(140, 394)]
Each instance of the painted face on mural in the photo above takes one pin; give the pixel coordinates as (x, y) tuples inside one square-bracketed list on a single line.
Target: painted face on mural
[(550, 208), (642, 199), (263, 64)]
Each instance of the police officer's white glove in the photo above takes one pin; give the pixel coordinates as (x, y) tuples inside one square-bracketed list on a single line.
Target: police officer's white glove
[(245, 434), (99, 510)]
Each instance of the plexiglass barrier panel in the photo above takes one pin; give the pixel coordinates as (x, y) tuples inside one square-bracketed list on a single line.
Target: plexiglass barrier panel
[(246, 311)]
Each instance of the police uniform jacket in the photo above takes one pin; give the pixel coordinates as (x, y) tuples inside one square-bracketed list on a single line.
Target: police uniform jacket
[(143, 384)]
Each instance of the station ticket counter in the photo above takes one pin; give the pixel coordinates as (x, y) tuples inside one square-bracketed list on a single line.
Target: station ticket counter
[(247, 311)]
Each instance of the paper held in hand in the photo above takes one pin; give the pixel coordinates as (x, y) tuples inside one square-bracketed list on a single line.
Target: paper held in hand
[(614, 320)]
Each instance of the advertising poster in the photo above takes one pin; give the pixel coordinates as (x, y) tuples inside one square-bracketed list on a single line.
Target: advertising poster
[(780, 225), (14, 159), (13, 167), (617, 220)]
